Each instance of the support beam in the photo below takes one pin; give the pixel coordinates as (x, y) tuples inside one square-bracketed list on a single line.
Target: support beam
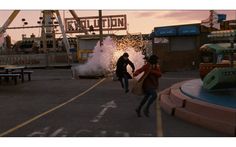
[(30, 27), (78, 22), (9, 21), (65, 40)]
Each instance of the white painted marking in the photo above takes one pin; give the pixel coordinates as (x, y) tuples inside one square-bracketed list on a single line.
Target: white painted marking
[(57, 132), (103, 111), (103, 133), (106, 106), (42, 133), (50, 110), (110, 104), (124, 134), (95, 120), (100, 115)]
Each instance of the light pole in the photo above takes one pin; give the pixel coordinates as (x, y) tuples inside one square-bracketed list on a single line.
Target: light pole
[(100, 26)]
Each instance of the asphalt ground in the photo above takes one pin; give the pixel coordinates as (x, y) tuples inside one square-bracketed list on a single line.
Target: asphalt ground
[(55, 105)]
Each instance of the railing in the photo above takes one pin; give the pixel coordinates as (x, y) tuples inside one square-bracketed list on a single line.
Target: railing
[(36, 60)]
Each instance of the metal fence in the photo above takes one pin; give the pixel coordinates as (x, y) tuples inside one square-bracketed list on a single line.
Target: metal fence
[(36, 60)]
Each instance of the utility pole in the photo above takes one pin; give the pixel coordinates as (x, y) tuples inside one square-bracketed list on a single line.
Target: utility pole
[(100, 26)]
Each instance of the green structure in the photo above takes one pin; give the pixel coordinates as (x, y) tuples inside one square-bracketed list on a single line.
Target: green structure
[(220, 78), (221, 53)]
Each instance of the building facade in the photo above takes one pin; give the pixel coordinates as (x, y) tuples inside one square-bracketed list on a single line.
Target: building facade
[(178, 46)]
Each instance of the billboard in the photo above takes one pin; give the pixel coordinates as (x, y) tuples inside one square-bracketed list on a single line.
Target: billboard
[(110, 22)]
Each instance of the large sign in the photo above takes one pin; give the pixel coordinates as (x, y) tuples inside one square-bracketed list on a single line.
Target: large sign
[(111, 22), (188, 30), (177, 31), (166, 31)]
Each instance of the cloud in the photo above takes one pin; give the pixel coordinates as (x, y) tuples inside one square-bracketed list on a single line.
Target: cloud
[(146, 14), (187, 15), (192, 15)]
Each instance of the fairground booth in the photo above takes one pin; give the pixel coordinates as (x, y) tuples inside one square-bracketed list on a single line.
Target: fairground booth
[(178, 45)]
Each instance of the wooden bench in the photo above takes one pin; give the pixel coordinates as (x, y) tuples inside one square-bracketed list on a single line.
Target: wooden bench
[(25, 72), (13, 76)]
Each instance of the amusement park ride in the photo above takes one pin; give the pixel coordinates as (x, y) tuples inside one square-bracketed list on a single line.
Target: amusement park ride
[(218, 69), (210, 101), (47, 26)]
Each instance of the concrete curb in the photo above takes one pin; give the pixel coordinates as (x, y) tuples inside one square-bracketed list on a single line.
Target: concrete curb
[(208, 115)]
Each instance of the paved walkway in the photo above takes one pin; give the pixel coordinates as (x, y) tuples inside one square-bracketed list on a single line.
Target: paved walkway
[(53, 104)]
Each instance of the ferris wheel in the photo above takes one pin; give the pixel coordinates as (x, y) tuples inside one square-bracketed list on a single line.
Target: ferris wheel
[(47, 26)]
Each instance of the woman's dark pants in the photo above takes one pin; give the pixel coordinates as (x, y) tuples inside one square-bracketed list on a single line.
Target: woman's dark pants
[(149, 98)]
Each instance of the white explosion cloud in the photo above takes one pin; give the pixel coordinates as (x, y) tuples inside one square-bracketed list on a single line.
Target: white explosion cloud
[(104, 59)]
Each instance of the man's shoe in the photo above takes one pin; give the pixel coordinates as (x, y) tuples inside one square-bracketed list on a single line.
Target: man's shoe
[(138, 112), (127, 90)]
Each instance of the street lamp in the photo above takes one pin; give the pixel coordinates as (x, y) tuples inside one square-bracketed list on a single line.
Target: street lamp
[(24, 24)]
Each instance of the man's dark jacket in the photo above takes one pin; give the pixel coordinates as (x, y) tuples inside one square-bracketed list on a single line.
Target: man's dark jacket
[(121, 68)]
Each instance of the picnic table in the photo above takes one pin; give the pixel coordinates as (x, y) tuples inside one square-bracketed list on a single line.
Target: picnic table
[(14, 72), (11, 68)]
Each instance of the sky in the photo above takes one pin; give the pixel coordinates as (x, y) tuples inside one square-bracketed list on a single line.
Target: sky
[(139, 21)]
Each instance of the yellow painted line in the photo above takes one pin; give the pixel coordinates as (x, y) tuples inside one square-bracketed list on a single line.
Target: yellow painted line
[(159, 120), (49, 111)]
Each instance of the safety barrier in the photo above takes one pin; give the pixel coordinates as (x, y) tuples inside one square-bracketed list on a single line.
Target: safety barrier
[(35, 60)]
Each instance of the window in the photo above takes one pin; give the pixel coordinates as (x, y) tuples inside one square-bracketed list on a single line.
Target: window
[(161, 40)]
